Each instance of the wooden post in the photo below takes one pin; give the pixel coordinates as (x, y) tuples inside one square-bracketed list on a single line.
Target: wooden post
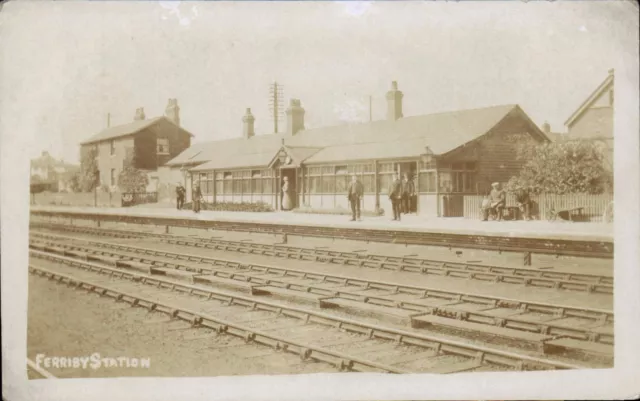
[(438, 193), (302, 186), (417, 187), (214, 183), (376, 184)]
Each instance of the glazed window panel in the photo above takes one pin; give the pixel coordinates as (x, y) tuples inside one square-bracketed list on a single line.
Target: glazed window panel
[(342, 183), (315, 184), (385, 182), (219, 187), (386, 168), (368, 182), (267, 186), (328, 184), (428, 181)]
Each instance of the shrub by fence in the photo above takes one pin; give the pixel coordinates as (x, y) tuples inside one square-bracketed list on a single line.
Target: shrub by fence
[(594, 205), (138, 198)]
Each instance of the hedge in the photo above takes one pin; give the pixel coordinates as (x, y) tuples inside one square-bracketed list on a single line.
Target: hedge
[(232, 207)]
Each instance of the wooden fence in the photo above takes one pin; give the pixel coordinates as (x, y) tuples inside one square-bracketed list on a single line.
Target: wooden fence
[(100, 199), (594, 205)]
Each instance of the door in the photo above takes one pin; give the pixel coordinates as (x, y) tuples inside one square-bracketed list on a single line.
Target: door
[(290, 174)]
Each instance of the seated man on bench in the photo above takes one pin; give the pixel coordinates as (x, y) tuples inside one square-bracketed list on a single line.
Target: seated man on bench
[(497, 200), (524, 202)]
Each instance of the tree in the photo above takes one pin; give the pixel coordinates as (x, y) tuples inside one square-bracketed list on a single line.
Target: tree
[(89, 173), (74, 182), (130, 178), (575, 166)]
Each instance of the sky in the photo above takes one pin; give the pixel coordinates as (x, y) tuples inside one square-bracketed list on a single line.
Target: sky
[(65, 65)]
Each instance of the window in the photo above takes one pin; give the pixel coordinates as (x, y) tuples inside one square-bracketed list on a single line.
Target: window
[(227, 183), (163, 146), (256, 182), (427, 181), (219, 183), (113, 177), (112, 145)]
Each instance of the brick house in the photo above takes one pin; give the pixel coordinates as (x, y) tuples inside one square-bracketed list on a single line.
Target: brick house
[(149, 143)]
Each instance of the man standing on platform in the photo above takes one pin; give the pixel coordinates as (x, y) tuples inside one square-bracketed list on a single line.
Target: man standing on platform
[(395, 196), (180, 193), (354, 195), (197, 197), (524, 202), (408, 190)]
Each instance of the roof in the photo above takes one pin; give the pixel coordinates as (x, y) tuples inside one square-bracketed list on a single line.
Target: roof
[(128, 129), (368, 151), (406, 137), (592, 98), (231, 161)]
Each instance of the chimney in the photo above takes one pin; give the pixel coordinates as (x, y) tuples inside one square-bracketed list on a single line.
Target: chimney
[(172, 112), (394, 103), (546, 127), (611, 71), (108, 120), (295, 117), (139, 114), (247, 124)]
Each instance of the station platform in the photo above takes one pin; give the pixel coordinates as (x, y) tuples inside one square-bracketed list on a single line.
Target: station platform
[(557, 230)]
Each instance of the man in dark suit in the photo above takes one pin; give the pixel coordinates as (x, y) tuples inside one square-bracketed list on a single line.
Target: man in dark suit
[(356, 190), (395, 196), (180, 194), (408, 190), (197, 198)]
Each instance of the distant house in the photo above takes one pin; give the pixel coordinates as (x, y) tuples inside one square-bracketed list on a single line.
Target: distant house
[(52, 174), (147, 143), (593, 119), (448, 154)]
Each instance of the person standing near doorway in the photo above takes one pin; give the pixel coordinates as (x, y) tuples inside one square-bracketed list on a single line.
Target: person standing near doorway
[(197, 198), (286, 196), (395, 196), (354, 195), (408, 190)]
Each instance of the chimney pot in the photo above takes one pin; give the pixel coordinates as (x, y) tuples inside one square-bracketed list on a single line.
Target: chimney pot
[(295, 117), (247, 124), (139, 114), (546, 127), (172, 112), (394, 102)]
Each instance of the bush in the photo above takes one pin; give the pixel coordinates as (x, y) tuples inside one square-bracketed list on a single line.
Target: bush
[(232, 207), (338, 211)]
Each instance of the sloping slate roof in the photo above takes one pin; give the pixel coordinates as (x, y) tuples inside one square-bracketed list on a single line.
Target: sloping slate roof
[(301, 153), (128, 129), (231, 161), (441, 132), (362, 151), (206, 151)]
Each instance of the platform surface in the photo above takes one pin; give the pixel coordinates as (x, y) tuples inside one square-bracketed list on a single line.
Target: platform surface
[(451, 225)]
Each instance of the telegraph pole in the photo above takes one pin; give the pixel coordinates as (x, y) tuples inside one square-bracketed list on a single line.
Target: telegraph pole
[(276, 96)]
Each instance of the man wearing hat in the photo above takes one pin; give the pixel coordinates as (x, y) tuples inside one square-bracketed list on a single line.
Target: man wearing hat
[(497, 199), (180, 193), (197, 198)]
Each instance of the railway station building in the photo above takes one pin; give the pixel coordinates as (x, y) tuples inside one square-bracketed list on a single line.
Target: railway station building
[(448, 155)]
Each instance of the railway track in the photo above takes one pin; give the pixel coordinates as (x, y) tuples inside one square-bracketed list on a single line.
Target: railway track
[(512, 275), (347, 344), (581, 248), (545, 326)]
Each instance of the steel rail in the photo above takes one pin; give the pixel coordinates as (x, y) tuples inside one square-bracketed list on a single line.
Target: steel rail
[(509, 275), (503, 358), (514, 322), (563, 310), (581, 248)]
